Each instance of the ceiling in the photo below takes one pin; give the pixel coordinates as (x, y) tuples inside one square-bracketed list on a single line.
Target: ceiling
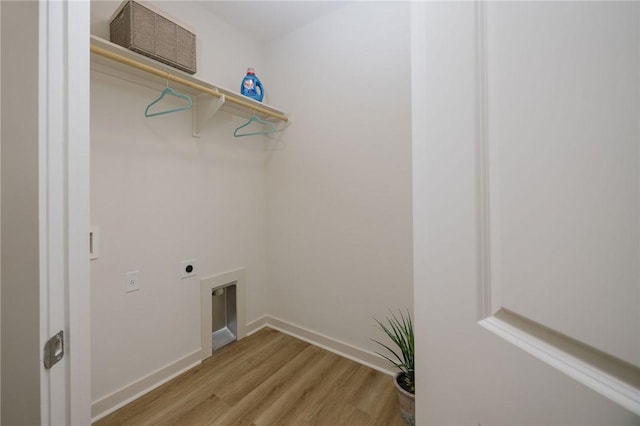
[(265, 21)]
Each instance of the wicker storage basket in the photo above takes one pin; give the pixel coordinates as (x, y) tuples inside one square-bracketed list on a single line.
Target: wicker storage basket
[(146, 31)]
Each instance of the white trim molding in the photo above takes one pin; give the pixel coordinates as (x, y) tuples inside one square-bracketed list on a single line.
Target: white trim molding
[(330, 344), (63, 125), (78, 210), (482, 165), (123, 396), (621, 388), (110, 403)]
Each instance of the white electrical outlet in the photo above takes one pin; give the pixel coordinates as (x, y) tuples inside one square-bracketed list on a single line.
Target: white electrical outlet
[(133, 281), (189, 268)]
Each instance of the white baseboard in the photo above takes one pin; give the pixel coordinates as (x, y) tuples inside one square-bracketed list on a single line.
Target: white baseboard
[(110, 403), (257, 325), (343, 349)]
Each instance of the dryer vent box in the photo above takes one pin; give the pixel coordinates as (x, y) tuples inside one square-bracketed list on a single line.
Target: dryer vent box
[(143, 28), (224, 316)]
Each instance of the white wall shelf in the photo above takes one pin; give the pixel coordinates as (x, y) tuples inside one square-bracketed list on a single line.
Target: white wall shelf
[(115, 60)]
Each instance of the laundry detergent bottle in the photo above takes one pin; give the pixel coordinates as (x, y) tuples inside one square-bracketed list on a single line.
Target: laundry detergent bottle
[(251, 86)]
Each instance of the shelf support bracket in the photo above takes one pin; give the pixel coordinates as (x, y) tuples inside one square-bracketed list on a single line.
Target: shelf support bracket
[(204, 108)]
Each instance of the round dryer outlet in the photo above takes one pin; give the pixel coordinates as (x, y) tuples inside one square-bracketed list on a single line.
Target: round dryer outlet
[(188, 268)]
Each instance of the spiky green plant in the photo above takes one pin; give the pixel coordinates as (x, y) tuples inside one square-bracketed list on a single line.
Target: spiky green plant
[(400, 331)]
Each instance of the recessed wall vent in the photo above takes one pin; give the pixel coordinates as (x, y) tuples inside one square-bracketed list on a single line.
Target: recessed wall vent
[(223, 310)]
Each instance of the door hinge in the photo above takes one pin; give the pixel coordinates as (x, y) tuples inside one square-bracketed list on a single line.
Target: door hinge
[(54, 350)]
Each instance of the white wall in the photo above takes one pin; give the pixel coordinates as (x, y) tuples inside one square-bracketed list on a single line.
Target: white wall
[(466, 375), (20, 255), (161, 196), (338, 225), (325, 229), (339, 181)]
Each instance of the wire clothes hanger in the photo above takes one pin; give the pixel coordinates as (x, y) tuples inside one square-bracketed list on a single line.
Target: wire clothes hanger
[(255, 118), (168, 91)]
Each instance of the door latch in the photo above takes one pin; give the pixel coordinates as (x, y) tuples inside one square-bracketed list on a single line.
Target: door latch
[(54, 350)]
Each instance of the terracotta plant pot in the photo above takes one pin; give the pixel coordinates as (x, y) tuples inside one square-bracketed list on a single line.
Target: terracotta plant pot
[(407, 402)]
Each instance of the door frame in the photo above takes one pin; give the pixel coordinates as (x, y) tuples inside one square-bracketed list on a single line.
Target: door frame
[(64, 207)]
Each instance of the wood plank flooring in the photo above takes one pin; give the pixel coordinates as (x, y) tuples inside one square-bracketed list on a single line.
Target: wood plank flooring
[(267, 379)]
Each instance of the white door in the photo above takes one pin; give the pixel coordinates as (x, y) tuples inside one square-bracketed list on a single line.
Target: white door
[(527, 212)]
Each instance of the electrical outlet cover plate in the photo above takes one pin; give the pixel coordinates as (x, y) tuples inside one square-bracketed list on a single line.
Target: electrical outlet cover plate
[(133, 281), (189, 268)]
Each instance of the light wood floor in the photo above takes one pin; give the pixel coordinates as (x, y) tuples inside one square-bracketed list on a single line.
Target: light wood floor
[(269, 378)]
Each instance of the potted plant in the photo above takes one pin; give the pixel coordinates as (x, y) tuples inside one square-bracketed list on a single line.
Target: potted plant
[(400, 331)]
